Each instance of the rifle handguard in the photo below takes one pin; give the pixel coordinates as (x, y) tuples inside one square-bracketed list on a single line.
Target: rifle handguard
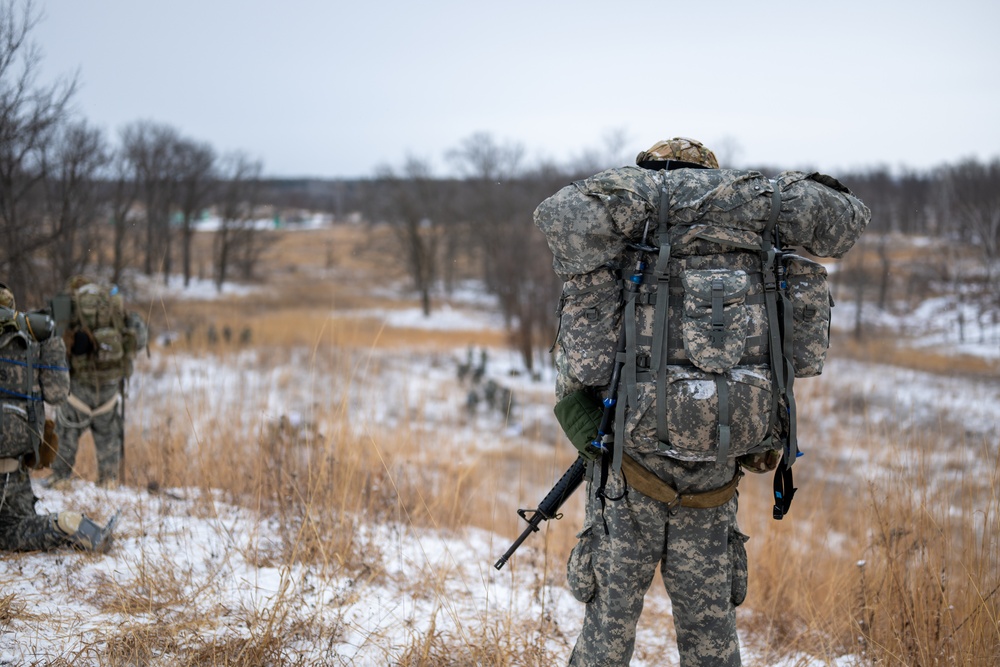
[(579, 414)]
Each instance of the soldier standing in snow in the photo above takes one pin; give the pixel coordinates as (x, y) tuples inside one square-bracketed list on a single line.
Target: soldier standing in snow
[(693, 547), (683, 259), (32, 372), (103, 339)]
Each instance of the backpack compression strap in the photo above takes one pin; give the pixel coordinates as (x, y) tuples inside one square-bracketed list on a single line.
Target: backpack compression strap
[(661, 324), (780, 344)]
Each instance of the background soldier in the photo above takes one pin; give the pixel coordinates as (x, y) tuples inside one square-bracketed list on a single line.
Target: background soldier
[(33, 371), (102, 339)]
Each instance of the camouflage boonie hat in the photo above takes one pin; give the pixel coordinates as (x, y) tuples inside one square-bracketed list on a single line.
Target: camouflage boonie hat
[(6, 297), (681, 149)]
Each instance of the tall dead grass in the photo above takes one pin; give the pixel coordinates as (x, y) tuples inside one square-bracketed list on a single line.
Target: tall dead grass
[(897, 568), (895, 565), (885, 566)]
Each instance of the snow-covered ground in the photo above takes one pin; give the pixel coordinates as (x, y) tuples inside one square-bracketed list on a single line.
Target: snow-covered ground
[(209, 549)]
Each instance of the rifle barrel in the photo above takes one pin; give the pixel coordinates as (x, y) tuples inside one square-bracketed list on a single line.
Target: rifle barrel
[(549, 507)]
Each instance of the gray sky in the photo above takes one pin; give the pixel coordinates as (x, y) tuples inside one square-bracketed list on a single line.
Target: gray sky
[(335, 89)]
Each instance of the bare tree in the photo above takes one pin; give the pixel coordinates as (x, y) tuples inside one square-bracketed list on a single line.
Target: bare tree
[(489, 170), (74, 202), (238, 240), (611, 153), (195, 163), (498, 201), (30, 117), (972, 193), (414, 204), (121, 196), (151, 151)]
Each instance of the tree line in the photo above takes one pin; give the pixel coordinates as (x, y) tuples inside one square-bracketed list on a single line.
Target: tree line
[(73, 200), (485, 214)]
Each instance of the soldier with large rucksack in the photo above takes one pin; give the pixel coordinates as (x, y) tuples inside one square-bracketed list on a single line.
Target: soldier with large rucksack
[(33, 372), (102, 339), (684, 320)]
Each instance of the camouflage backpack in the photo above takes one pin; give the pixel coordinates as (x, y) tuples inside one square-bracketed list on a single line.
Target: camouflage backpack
[(98, 310), (683, 278), (22, 412)]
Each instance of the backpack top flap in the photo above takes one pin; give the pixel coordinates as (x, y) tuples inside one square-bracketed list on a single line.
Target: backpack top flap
[(819, 213)]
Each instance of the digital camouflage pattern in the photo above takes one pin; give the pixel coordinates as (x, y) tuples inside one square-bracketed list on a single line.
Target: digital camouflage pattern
[(701, 556), (50, 384), (116, 335), (589, 223), (590, 319), (21, 529), (98, 376), (810, 294), (679, 148), (692, 408), (107, 430), (712, 334), (715, 321), (713, 224)]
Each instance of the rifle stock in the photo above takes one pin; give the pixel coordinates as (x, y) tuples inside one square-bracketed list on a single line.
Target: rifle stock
[(549, 507)]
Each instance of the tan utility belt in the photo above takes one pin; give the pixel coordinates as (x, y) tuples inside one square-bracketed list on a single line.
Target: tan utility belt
[(648, 484), (9, 465), (83, 408)]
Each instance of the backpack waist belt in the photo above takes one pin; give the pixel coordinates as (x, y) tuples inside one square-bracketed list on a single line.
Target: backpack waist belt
[(104, 408), (648, 484), (9, 465)]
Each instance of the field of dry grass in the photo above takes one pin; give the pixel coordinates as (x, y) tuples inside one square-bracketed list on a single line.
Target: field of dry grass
[(346, 438)]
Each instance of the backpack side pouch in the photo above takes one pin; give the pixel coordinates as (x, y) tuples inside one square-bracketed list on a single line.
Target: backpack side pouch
[(110, 347), (809, 294), (590, 324)]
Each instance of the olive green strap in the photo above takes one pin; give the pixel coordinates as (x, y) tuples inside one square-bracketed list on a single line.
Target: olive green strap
[(661, 334), (722, 389), (770, 278), (792, 446)]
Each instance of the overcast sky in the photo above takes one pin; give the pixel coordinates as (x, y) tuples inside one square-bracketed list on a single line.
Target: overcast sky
[(336, 89)]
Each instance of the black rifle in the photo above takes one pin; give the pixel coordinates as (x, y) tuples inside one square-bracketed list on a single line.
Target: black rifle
[(567, 484), (549, 507), (571, 479)]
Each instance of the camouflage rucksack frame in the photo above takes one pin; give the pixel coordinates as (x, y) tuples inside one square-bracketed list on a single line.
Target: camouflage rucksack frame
[(717, 330), (98, 311), (22, 410)]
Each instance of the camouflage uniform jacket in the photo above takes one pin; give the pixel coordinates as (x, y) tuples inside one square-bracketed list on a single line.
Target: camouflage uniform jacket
[(47, 377)]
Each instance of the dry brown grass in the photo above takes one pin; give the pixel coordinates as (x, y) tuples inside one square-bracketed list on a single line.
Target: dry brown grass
[(926, 594), (897, 567), (888, 350)]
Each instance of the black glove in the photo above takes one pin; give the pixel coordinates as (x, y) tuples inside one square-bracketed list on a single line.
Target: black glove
[(82, 343)]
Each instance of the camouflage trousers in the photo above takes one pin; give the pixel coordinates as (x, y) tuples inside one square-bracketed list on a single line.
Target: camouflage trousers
[(21, 529), (701, 556), (106, 429)]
